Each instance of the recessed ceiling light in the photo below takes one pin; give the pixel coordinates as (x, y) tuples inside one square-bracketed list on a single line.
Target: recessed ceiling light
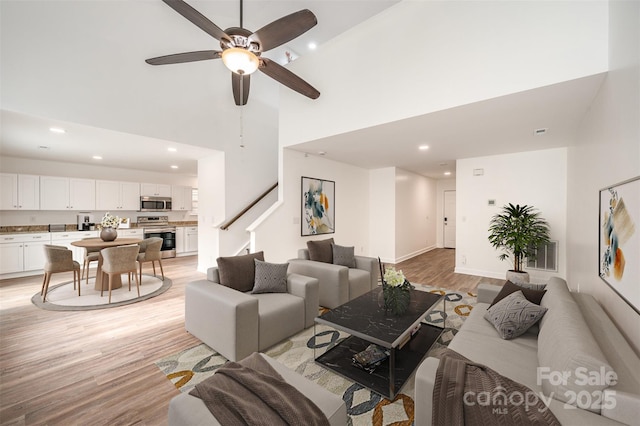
[(312, 46), (174, 167), (447, 173), (423, 147), (172, 149), (97, 157), (322, 153), (43, 147), (57, 130)]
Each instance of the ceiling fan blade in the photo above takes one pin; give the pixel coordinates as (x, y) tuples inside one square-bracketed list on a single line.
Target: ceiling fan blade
[(197, 19), (179, 58), (286, 77), (284, 29), (240, 83)]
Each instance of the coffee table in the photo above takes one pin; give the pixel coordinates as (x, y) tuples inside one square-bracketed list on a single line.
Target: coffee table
[(367, 323)]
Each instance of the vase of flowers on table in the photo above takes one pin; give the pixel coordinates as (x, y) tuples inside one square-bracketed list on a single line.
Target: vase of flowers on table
[(396, 291), (108, 226)]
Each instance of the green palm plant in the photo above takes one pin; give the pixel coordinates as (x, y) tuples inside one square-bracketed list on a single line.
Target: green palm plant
[(518, 231)]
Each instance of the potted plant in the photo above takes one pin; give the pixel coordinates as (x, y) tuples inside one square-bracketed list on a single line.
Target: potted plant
[(518, 231)]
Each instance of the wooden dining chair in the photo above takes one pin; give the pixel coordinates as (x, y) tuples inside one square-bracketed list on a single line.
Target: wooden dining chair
[(150, 251), (58, 259), (118, 260)]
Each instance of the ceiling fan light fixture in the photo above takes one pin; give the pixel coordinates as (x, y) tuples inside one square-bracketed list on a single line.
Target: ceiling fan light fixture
[(240, 61)]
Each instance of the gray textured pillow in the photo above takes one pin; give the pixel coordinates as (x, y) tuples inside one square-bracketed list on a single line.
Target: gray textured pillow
[(513, 315), (321, 251), (270, 277), (343, 256), (238, 272)]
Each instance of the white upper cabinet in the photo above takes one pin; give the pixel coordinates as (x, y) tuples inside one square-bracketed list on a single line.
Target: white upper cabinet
[(155, 189), (181, 198), (61, 193), (113, 195), (19, 192)]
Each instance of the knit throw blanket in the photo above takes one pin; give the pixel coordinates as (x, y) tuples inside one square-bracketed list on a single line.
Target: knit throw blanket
[(468, 394), (251, 392)]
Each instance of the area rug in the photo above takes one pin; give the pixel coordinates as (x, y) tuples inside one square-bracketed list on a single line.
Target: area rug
[(63, 297), (364, 407)]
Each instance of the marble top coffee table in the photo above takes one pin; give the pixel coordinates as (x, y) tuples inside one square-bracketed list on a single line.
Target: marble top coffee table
[(367, 323)]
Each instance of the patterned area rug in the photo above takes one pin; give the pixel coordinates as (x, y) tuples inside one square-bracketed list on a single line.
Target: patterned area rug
[(364, 407)]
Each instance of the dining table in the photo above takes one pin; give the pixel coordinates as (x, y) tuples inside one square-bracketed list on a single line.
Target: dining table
[(99, 244)]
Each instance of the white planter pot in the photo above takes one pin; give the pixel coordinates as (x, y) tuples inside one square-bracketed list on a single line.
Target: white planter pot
[(518, 277)]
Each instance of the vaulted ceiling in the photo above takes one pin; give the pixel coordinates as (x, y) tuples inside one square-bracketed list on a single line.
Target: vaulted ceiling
[(80, 66)]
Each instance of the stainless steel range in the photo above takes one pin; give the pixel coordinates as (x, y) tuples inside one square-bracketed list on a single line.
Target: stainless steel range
[(158, 226)]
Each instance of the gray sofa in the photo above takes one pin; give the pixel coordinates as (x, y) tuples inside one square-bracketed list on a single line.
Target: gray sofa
[(338, 284), (575, 332), (236, 324), (185, 409)]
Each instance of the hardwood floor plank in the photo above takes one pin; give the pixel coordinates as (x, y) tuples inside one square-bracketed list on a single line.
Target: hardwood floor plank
[(97, 367)]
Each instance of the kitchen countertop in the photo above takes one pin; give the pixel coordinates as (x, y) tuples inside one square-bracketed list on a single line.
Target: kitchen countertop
[(30, 229)]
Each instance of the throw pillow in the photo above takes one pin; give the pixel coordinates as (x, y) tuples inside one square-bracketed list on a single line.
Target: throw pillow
[(343, 256), (513, 315), (321, 251), (238, 272), (270, 277), (533, 296)]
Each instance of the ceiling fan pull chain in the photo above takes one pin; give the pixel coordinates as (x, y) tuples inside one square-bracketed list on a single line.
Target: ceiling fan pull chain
[(241, 110)]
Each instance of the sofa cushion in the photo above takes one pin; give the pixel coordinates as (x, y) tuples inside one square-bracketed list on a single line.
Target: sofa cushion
[(281, 315), (513, 315), (270, 277), (568, 353), (238, 272), (321, 251), (533, 296), (343, 256)]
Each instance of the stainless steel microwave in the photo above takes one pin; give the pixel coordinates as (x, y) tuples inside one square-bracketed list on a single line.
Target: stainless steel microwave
[(155, 204)]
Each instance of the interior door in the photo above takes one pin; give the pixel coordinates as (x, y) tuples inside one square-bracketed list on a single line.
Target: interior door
[(449, 225)]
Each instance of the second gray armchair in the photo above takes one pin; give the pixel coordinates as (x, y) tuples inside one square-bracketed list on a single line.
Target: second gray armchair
[(341, 275)]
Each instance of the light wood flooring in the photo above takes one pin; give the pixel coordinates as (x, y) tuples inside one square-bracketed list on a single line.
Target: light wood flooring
[(97, 367)]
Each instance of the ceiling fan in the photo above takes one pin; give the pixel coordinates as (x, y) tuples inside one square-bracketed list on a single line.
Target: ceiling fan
[(242, 49)]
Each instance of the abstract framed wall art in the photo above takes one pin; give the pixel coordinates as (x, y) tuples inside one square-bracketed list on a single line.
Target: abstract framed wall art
[(318, 206), (619, 241)]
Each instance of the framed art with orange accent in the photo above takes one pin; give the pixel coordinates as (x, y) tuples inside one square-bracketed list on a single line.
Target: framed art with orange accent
[(318, 206), (619, 239)]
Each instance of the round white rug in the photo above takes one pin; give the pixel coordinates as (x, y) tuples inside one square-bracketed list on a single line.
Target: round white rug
[(63, 297)]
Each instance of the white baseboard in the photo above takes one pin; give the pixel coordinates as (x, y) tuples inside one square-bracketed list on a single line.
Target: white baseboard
[(408, 256), (480, 273)]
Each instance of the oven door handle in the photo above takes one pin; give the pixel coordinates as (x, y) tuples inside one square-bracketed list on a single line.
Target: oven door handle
[(159, 230)]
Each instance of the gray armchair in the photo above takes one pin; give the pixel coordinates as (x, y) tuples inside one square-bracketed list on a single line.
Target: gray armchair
[(237, 323), (338, 284)]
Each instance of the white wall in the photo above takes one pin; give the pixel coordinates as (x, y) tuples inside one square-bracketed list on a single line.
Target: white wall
[(607, 152), (279, 234), (442, 185), (382, 213), (434, 55), (415, 214), (536, 178), (54, 168), (211, 208)]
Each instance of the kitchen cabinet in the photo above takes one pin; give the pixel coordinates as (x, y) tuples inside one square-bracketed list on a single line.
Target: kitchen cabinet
[(181, 198), (114, 195), (22, 252), (191, 239), (19, 192), (186, 240), (66, 238), (155, 189), (61, 193)]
